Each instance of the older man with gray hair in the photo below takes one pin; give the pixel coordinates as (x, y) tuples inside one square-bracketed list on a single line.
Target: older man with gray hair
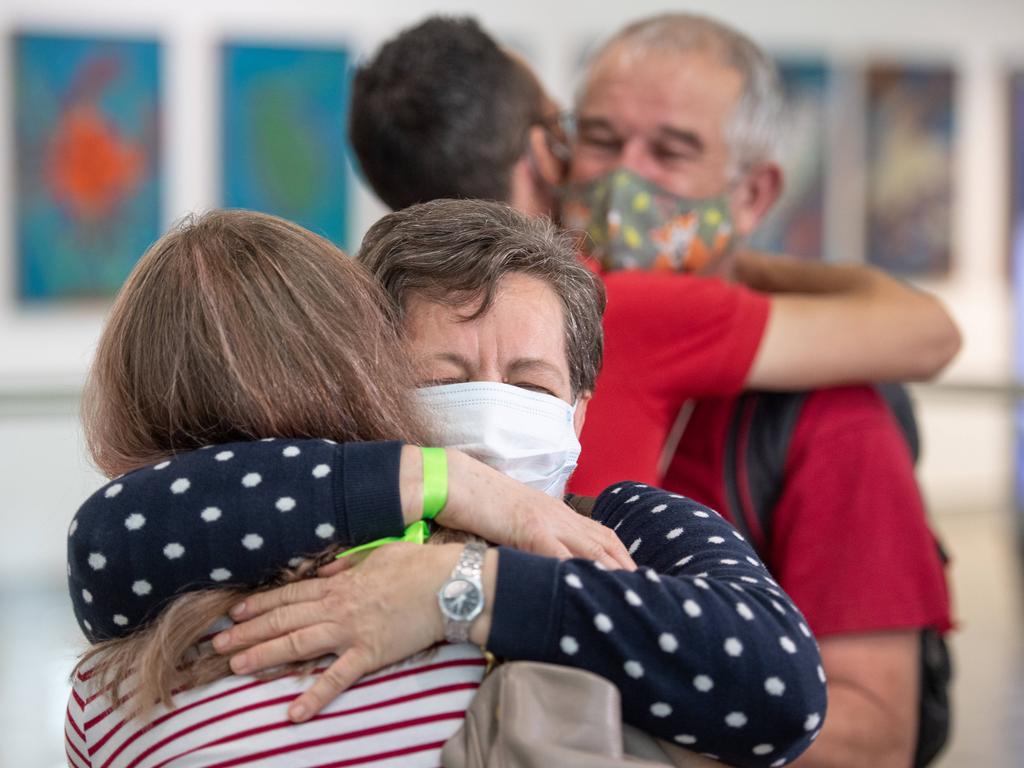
[(674, 162)]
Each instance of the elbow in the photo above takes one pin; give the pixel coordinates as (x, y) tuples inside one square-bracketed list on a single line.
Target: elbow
[(941, 347)]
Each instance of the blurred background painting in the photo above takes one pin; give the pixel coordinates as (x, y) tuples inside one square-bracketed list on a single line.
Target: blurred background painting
[(796, 225), (285, 115), (88, 176), (909, 169), (1016, 253)]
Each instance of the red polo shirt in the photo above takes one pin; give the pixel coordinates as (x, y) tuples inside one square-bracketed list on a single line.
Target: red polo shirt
[(668, 338)]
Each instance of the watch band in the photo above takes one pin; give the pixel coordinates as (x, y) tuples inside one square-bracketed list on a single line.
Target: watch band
[(469, 568)]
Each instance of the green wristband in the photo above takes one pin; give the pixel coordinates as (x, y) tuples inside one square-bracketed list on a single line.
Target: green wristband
[(435, 481)]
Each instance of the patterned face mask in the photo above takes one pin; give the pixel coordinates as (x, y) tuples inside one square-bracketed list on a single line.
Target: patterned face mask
[(633, 224)]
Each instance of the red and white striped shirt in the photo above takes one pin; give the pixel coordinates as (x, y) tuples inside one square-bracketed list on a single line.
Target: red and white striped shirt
[(399, 716)]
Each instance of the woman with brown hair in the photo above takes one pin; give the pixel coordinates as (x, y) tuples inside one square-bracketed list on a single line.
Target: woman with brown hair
[(240, 326)]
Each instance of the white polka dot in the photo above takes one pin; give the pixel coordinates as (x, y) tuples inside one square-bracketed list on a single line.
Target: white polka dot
[(88, 625), (180, 485), (619, 524), (321, 471), (728, 561), (134, 521), (744, 610), (733, 646), (813, 721), (703, 683), (699, 582), (804, 630), (173, 551), (162, 465), (73, 527), (710, 756), (668, 642), (639, 485), (329, 441), (692, 609), (716, 540), (774, 686), (600, 566), (787, 645), (738, 535), (753, 562), (634, 669), (573, 581), (285, 504), (87, 595), (225, 456), (778, 607), (569, 645), (291, 452), (603, 623), (324, 531), (821, 673), (142, 587), (779, 763), (774, 591), (748, 579), (632, 498), (220, 574), (634, 546), (659, 508), (295, 562), (268, 439), (633, 598), (661, 709), (210, 514), (735, 719), (252, 541), (97, 561), (685, 738), (763, 749), (252, 479), (700, 513), (113, 490), (120, 619), (652, 576), (737, 587), (616, 490), (684, 561), (675, 533)]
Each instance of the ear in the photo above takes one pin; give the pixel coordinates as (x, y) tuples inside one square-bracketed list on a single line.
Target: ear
[(581, 412), (547, 166), (754, 197)]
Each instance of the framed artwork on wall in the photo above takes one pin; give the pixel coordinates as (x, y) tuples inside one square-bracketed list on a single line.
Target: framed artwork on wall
[(796, 224), (910, 145), (1016, 257), (87, 163), (284, 140)]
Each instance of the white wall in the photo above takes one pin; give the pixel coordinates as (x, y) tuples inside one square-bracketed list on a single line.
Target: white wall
[(46, 350)]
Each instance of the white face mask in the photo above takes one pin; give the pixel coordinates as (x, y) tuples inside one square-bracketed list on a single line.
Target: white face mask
[(526, 435)]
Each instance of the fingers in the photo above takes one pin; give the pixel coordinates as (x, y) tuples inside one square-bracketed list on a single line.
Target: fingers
[(333, 681), (268, 626), (261, 602), (299, 645)]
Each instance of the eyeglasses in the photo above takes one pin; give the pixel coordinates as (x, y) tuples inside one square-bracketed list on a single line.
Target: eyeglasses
[(558, 128)]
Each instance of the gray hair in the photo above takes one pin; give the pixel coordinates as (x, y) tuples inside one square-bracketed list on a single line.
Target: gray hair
[(753, 129), (455, 252)]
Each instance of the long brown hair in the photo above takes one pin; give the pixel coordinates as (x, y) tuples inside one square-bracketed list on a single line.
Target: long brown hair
[(234, 326)]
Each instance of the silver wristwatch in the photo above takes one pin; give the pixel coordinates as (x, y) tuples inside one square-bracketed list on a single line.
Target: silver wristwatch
[(462, 597)]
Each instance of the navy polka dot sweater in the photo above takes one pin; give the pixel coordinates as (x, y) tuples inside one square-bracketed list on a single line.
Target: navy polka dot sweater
[(705, 648)]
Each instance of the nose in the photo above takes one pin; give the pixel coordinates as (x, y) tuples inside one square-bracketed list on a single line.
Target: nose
[(636, 157)]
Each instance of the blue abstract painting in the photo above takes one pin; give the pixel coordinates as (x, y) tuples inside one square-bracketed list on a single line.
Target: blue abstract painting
[(1017, 268), (284, 134), (87, 170), (910, 136), (796, 224)]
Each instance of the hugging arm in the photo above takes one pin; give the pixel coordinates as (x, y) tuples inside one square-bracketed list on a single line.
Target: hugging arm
[(704, 647)]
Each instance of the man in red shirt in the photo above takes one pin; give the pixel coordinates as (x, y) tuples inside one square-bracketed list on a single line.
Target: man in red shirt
[(685, 104), (666, 110)]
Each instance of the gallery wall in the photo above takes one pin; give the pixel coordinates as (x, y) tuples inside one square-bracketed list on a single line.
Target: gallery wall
[(45, 346)]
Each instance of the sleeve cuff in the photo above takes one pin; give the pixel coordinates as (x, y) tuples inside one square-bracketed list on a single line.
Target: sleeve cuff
[(367, 493), (526, 606)]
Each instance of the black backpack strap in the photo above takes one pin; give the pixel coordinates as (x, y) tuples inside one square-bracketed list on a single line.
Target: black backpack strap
[(756, 449)]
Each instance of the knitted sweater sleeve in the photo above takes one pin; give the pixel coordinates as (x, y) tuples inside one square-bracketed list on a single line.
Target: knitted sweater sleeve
[(706, 649), (228, 515)]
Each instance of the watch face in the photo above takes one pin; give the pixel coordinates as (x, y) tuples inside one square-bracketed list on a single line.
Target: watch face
[(461, 599)]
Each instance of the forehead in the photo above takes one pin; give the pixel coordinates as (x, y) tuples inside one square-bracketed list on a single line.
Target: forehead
[(526, 319), (641, 90)]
